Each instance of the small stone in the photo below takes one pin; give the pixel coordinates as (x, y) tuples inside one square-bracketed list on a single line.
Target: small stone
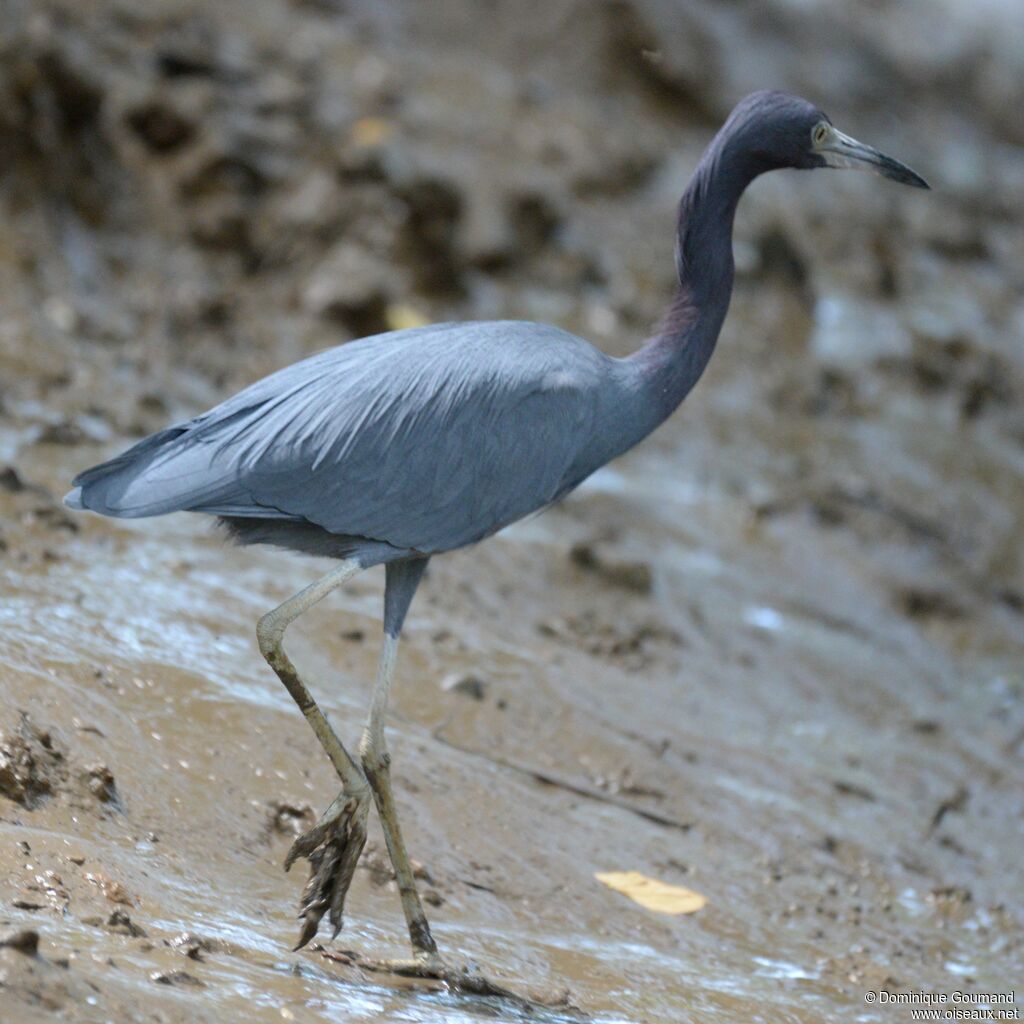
[(99, 780), (111, 889), (175, 978), (120, 922), (635, 576), (192, 946), (24, 940), (27, 903), (465, 683)]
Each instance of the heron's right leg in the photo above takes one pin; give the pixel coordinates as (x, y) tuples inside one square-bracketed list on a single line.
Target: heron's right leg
[(334, 844)]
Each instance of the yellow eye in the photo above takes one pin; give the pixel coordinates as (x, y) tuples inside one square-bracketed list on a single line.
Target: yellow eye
[(820, 133)]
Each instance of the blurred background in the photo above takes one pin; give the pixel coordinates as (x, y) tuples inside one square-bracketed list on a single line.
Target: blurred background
[(790, 625)]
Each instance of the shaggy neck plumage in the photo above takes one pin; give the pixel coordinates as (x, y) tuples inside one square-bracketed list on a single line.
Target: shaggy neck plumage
[(671, 362)]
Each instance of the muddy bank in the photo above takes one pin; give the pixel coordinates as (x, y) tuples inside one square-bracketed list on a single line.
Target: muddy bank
[(773, 655)]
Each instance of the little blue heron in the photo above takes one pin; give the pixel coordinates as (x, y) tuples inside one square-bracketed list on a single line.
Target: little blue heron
[(395, 448)]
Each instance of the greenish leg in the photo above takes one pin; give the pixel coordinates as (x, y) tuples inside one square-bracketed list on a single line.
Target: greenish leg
[(334, 844), (377, 765)]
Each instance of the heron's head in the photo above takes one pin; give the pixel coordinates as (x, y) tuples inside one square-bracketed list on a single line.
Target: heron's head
[(774, 130)]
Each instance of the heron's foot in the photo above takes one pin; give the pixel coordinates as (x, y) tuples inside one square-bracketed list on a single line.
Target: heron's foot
[(431, 967), (423, 965), (436, 973), (332, 846)]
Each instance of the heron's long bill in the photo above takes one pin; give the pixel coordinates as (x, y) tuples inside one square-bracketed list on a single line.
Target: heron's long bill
[(839, 150)]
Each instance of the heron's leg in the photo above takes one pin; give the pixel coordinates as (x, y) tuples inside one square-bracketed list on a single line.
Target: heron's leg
[(334, 844), (402, 580)]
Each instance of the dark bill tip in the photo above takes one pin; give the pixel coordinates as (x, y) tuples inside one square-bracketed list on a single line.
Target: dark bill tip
[(839, 150), (896, 171)]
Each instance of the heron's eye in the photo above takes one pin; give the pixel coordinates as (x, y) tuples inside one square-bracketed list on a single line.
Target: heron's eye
[(819, 134)]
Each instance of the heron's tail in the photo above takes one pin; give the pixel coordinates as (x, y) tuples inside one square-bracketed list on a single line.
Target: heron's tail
[(73, 499), (165, 472), (108, 488)]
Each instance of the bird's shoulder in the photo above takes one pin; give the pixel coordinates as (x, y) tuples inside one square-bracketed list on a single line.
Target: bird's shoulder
[(514, 352), (460, 379), (458, 361)]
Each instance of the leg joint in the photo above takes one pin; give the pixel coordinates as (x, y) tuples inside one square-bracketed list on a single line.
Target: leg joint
[(268, 634), (375, 761)]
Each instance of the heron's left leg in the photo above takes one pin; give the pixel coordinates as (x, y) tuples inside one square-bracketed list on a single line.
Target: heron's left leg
[(334, 844), (402, 580)]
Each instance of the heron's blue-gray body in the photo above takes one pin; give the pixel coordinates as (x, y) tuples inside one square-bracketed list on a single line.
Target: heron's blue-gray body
[(394, 448), (429, 439), (426, 439)]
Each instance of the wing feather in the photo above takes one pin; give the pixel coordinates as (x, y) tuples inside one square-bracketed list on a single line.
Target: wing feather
[(426, 439)]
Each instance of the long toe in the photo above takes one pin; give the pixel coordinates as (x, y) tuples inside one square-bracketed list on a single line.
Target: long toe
[(333, 847), (425, 966), (457, 979)]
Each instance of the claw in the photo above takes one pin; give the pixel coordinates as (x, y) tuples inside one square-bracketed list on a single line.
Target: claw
[(306, 932), (332, 847)]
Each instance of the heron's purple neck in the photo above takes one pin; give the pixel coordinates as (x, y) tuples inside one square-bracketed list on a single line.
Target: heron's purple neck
[(671, 362)]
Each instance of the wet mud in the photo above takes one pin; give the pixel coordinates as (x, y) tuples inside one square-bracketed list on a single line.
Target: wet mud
[(774, 655)]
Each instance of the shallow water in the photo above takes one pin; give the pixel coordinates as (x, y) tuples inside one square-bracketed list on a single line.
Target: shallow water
[(782, 711)]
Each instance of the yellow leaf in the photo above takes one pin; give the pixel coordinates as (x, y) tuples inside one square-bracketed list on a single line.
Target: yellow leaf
[(400, 316), (652, 894), (368, 132)]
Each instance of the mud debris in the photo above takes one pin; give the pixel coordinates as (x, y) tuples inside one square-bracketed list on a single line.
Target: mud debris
[(113, 890), (24, 940), (466, 684), (32, 767), (846, 788), (285, 818), (99, 780), (182, 978), (195, 947), (617, 572), (120, 923), (376, 863), (955, 803)]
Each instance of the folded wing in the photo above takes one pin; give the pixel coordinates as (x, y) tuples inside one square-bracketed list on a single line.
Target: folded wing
[(426, 439)]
